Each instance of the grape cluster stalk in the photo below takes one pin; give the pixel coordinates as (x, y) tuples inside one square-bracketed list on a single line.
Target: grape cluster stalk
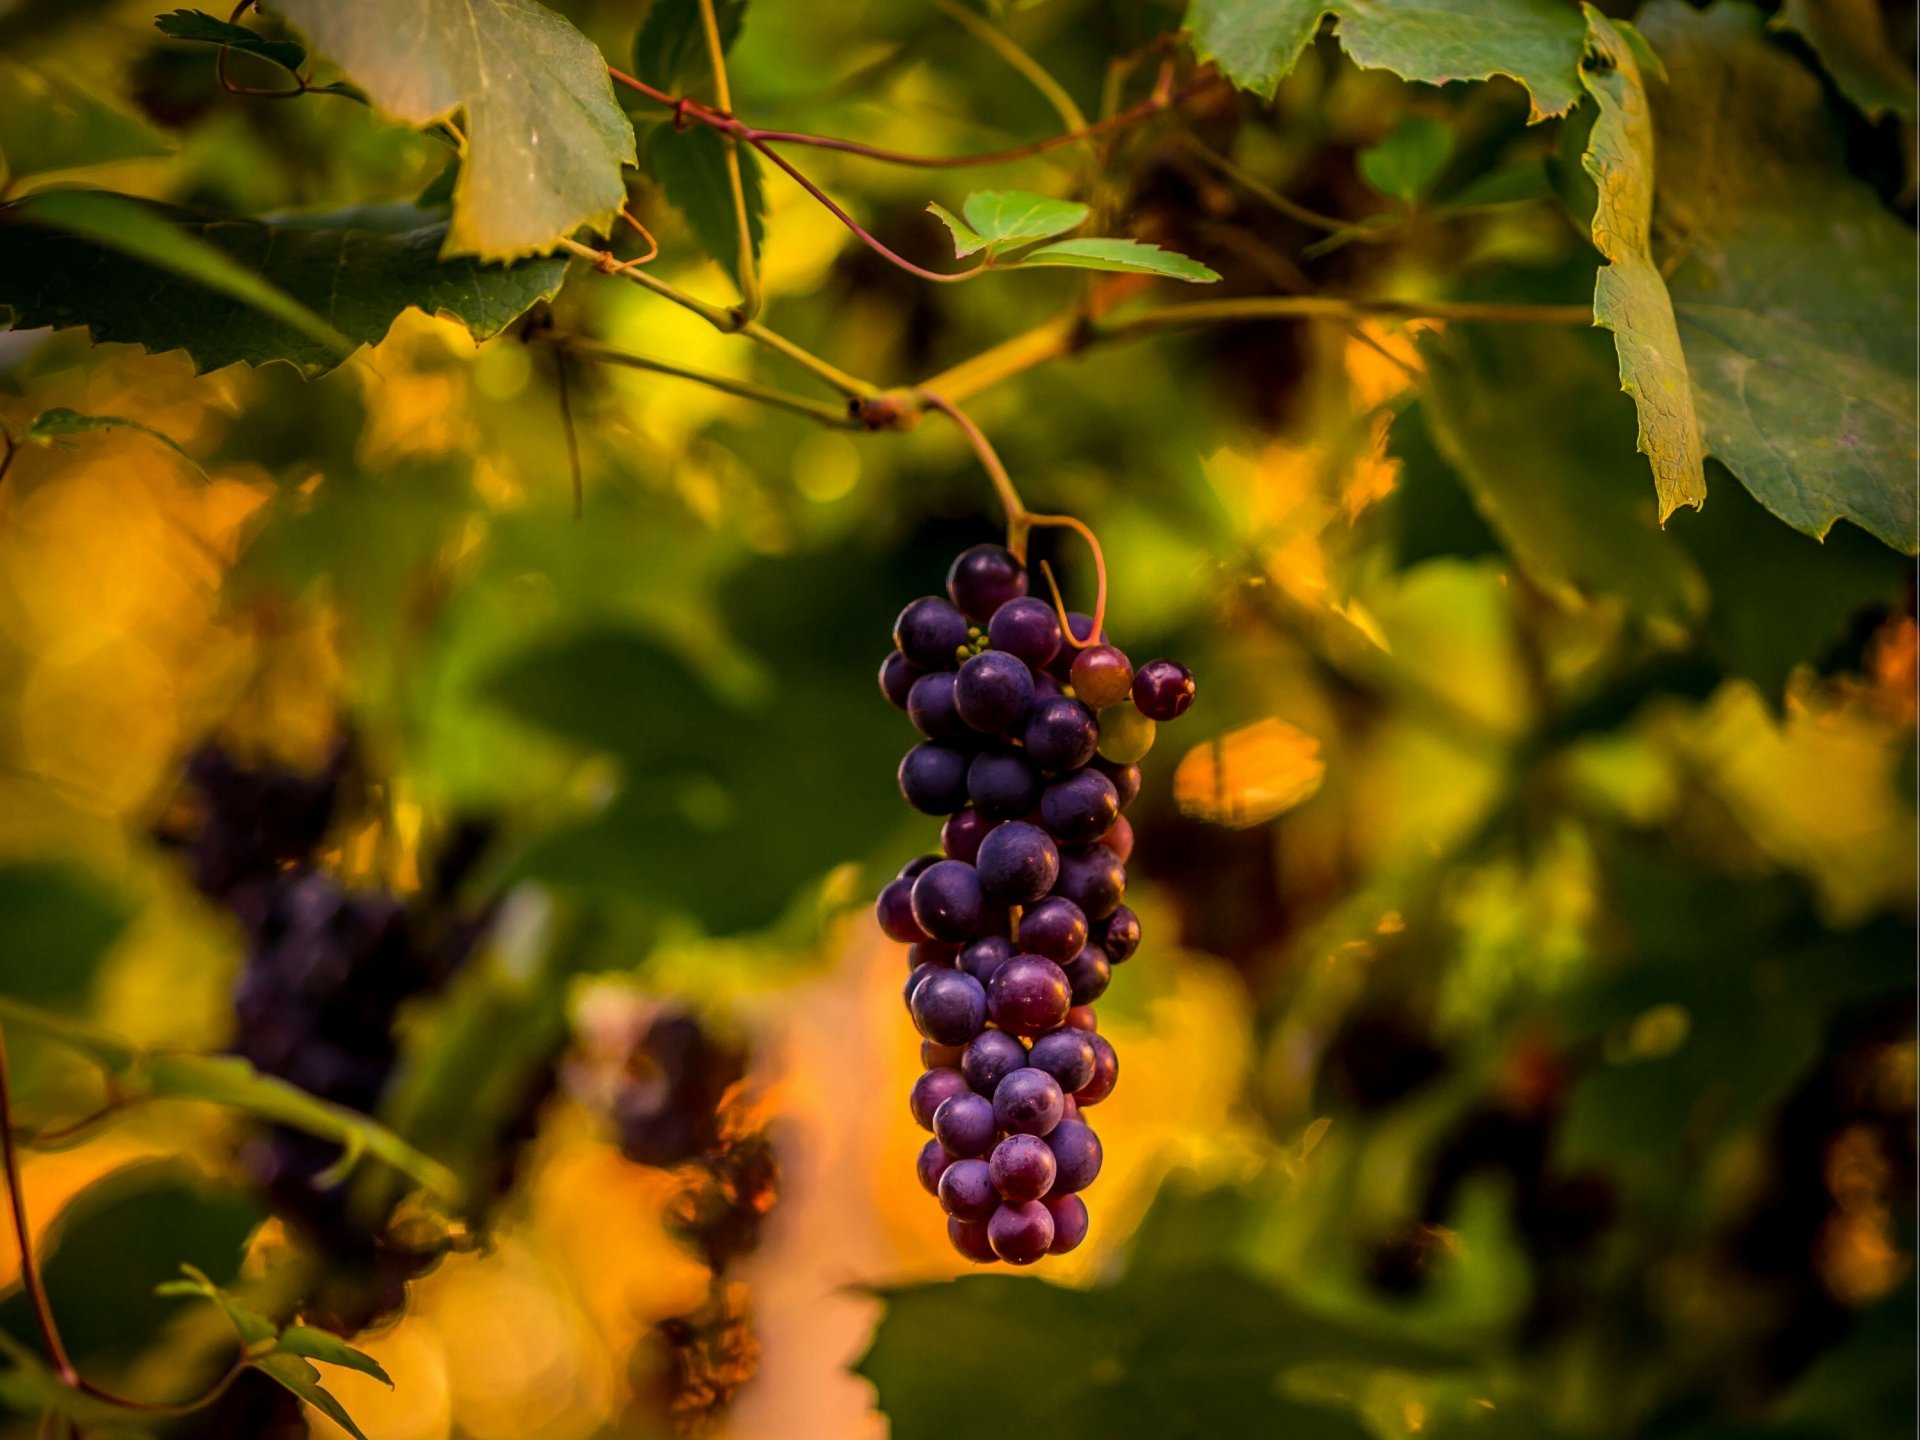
[(1032, 737)]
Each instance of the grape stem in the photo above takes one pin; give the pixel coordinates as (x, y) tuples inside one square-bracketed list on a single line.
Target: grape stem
[(748, 271)]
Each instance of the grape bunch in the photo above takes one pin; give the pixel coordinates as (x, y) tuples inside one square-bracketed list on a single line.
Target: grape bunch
[(1031, 748)]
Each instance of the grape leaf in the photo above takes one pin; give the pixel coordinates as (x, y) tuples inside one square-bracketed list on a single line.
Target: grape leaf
[(670, 50), (1802, 370), (691, 166), (1850, 37), (1537, 42), (1132, 257), (1629, 296), (355, 269), (999, 220), (197, 25), (1405, 165), (304, 1340), (303, 1380), (545, 139), (249, 1324)]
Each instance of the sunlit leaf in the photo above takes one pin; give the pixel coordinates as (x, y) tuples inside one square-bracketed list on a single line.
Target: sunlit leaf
[(303, 1380), (313, 1344), (1133, 257), (999, 220), (1249, 775)]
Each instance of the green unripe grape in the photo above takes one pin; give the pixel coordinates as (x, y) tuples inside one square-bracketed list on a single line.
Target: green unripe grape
[(1125, 735)]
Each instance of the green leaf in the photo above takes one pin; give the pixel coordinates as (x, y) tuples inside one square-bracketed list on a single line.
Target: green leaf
[(51, 427), (1802, 371), (1132, 257), (58, 921), (1405, 165), (148, 235), (545, 139), (966, 240), (250, 1325), (197, 25), (1003, 220), (1850, 37), (1537, 42), (1629, 296), (52, 118), (670, 50), (691, 166), (354, 268), (1525, 419), (303, 1380), (314, 1344)]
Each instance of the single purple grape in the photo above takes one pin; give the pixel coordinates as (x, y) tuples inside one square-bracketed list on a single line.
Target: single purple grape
[(1066, 1054), (1125, 778), (1092, 877), (1081, 627), (933, 778), (967, 1190), (960, 837), (1020, 1234), (1069, 1222), (1106, 1073), (894, 911), (930, 706), (989, 1058), (897, 674), (1061, 734), (993, 692), (983, 578), (964, 1124), (1101, 676), (948, 900), (1119, 935), (916, 977), (1029, 995), (1069, 1108), (931, 1165), (932, 952), (1089, 973), (1026, 629), (1076, 1149), (929, 1090), (929, 632), (1078, 809), (1002, 784), (1119, 839), (948, 1006), (914, 866), (1053, 927), (1081, 1017), (1027, 1102), (1162, 690), (1018, 864), (982, 957), (940, 1057), (971, 1240), (1022, 1167), (1045, 687)]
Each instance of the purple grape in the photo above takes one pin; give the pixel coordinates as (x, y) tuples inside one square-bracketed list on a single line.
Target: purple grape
[(1076, 1151), (929, 1090), (1045, 687), (989, 1058), (1020, 1234), (894, 911), (1092, 877), (1002, 784), (1081, 1017), (929, 632), (915, 978), (914, 866), (1078, 808), (1060, 734), (1022, 1167), (1053, 927), (1029, 995), (1026, 629), (967, 1190), (1069, 1108), (993, 692), (1089, 973), (960, 837), (1119, 839), (983, 579), (1069, 1222), (1119, 935), (1027, 1102), (940, 1057), (933, 952), (948, 1006), (930, 706), (897, 674), (1018, 864), (1125, 778), (1162, 690), (1101, 676), (1080, 627), (971, 1240), (1106, 1073), (982, 957), (933, 778), (948, 901), (964, 1124), (1065, 1054), (931, 1165)]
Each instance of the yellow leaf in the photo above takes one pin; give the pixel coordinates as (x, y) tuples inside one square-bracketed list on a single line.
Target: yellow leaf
[(1249, 775)]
